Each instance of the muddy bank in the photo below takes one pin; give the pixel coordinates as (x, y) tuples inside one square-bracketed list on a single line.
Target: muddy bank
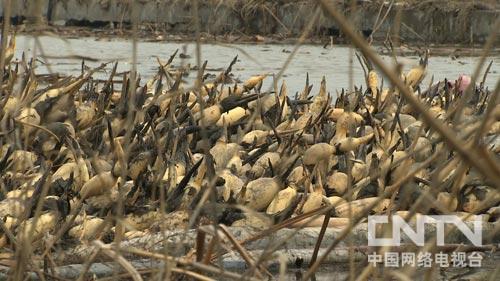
[(456, 22), (295, 252)]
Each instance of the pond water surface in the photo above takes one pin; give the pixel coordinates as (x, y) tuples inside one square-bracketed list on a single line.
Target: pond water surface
[(333, 63)]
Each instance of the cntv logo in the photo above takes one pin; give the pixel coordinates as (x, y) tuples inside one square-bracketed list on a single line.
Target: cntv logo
[(474, 235)]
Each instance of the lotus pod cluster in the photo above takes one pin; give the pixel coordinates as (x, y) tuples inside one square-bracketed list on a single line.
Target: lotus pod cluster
[(123, 156)]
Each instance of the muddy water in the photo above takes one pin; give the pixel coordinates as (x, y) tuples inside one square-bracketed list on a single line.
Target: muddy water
[(334, 62)]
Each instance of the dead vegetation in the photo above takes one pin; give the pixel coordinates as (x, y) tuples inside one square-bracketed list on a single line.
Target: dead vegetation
[(138, 180)]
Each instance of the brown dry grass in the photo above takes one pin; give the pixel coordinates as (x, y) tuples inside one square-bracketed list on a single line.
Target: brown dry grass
[(201, 271)]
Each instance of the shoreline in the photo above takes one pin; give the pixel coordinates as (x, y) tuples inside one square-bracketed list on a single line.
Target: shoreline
[(113, 34), (409, 22)]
